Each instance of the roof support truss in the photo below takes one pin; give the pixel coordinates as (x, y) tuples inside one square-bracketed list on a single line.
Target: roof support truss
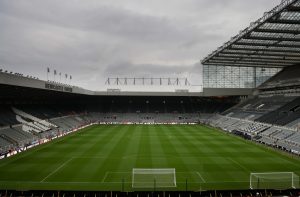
[(273, 40)]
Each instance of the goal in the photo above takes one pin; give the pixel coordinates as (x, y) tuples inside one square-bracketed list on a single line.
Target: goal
[(153, 177), (274, 180)]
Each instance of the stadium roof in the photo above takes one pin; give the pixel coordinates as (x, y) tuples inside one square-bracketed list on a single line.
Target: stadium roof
[(271, 41)]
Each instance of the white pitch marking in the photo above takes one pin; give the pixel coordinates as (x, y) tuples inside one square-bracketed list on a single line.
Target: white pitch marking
[(105, 176), (200, 176), (234, 161), (87, 182), (62, 165)]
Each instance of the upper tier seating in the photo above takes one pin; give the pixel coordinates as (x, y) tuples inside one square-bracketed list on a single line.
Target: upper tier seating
[(287, 78), (283, 115), (7, 116), (258, 106)]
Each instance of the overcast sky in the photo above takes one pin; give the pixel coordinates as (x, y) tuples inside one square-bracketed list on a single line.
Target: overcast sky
[(96, 39)]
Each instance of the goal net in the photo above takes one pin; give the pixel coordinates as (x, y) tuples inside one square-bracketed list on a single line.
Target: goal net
[(153, 177), (274, 180)]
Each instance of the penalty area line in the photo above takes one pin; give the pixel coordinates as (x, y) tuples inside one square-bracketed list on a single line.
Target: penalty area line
[(107, 173), (238, 163), (57, 169), (105, 176), (203, 180)]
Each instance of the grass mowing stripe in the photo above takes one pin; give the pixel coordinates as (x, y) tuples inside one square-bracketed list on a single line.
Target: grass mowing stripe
[(41, 147), (76, 150), (215, 151), (144, 157), (126, 145), (171, 147), (100, 153), (157, 148), (107, 163), (108, 134), (195, 146), (181, 165)]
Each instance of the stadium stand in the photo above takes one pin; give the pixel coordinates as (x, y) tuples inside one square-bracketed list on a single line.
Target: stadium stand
[(268, 118), (29, 123), (271, 115), (258, 106), (7, 117), (283, 115)]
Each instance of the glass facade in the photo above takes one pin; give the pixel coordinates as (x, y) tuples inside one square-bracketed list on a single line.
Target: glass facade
[(236, 76), (258, 52)]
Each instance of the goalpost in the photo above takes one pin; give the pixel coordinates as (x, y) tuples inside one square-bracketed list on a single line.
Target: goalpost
[(153, 177), (274, 180)]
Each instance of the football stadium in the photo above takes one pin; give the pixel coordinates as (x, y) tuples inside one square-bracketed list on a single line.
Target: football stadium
[(237, 135)]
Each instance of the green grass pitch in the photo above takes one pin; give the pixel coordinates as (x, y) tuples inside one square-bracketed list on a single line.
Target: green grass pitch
[(102, 157)]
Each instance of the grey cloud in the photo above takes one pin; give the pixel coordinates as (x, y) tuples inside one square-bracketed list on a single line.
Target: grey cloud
[(95, 39), (129, 69), (110, 20)]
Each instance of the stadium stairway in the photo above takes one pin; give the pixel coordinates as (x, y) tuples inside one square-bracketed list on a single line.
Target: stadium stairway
[(44, 124)]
